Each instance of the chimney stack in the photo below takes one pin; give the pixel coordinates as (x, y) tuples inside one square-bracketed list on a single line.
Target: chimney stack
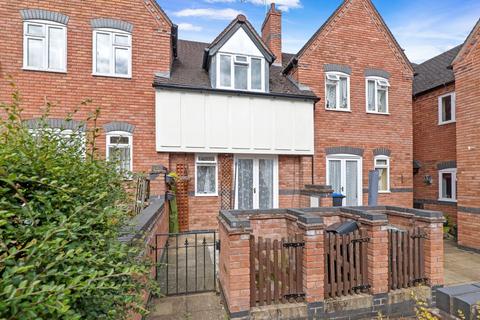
[(272, 32)]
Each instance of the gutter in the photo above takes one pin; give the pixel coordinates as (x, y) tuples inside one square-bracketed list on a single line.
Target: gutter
[(238, 93)]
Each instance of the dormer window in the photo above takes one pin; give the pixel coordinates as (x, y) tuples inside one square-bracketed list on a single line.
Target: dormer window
[(240, 72)]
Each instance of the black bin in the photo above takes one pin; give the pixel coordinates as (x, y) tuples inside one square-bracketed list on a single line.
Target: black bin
[(337, 199)]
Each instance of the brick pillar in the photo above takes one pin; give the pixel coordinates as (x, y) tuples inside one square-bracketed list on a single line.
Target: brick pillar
[(433, 252), (157, 181), (234, 269), (377, 257), (314, 265)]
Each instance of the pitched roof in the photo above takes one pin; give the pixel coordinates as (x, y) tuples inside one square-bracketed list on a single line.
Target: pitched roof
[(187, 72), (239, 22), (469, 39), (435, 72), (294, 59)]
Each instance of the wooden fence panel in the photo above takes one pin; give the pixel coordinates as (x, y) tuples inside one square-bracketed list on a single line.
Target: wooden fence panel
[(276, 270), (406, 258), (345, 264)]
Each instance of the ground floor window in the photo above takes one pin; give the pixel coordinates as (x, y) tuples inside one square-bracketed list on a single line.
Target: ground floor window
[(119, 149), (447, 185), (382, 165), (206, 175)]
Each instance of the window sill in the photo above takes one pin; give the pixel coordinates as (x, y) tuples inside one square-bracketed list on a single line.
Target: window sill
[(447, 200), (339, 110), (446, 122), (129, 77), (206, 194), (44, 70), (379, 113), (385, 192)]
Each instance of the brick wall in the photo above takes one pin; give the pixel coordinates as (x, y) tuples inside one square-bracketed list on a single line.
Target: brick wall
[(356, 38), (467, 69), (129, 100), (432, 144)]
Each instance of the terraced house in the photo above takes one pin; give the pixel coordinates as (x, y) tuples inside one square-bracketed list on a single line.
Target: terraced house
[(244, 124), (446, 136)]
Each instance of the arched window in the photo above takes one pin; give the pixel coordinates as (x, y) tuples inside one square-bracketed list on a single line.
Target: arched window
[(119, 149), (44, 40), (382, 165), (112, 48), (377, 95)]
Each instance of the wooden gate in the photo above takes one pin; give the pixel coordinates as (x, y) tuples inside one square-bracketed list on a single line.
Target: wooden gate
[(406, 258), (345, 263), (276, 274)]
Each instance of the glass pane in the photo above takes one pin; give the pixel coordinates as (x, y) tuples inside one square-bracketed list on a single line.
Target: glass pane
[(343, 93), (56, 48), (241, 76), (206, 179), (206, 158), (381, 162), (121, 40), (371, 95), (121, 156), (256, 74), (335, 175), (121, 61), (35, 30), (265, 187), (383, 179), (104, 48), (241, 59), (447, 108), (382, 100), (245, 184), (35, 53), (119, 140), (351, 183), (225, 71), (447, 186), (331, 95)]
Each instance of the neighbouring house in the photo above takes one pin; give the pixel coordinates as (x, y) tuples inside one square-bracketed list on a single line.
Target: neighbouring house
[(245, 125), (445, 103)]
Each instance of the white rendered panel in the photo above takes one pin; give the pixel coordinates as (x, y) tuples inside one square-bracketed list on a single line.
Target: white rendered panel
[(169, 119), (193, 120), (240, 43), (284, 113), (262, 124), (240, 123), (217, 121)]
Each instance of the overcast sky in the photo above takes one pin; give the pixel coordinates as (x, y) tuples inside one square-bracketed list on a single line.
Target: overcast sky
[(424, 28)]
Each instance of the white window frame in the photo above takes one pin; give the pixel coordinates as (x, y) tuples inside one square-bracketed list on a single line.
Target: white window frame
[(130, 144), (377, 80), (387, 166), (452, 171), (198, 163), (343, 158), (440, 109), (338, 75), (112, 33), (233, 58), (46, 25)]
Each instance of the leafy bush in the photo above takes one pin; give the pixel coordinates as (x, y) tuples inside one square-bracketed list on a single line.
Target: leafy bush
[(61, 213)]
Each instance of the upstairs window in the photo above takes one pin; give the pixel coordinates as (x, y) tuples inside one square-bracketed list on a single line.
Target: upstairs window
[(112, 53), (119, 149), (241, 72), (337, 89), (377, 95), (382, 165), (446, 108), (206, 175), (44, 46), (447, 184)]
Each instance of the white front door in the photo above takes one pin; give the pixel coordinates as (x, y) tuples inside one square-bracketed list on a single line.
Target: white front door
[(344, 174), (256, 182)]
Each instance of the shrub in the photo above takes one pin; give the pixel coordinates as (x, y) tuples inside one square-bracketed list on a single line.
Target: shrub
[(61, 214)]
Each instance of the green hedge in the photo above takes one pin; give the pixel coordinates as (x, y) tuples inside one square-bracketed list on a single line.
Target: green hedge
[(61, 212)]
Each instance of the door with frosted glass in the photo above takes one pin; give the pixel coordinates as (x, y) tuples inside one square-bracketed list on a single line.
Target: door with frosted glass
[(343, 176), (255, 183)]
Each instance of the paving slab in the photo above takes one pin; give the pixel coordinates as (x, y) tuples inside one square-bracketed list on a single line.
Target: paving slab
[(204, 306), (461, 266)]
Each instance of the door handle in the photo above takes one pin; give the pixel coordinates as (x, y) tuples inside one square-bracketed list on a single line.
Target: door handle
[(254, 190)]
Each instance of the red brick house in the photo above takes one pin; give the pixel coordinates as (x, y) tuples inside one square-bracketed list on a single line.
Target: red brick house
[(247, 125), (446, 134)]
